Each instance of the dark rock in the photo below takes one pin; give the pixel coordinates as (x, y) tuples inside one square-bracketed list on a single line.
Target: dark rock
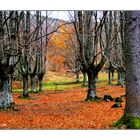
[(108, 98), (117, 105), (118, 99)]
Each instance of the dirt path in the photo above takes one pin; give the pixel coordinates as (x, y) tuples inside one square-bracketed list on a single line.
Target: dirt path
[(63, 110)]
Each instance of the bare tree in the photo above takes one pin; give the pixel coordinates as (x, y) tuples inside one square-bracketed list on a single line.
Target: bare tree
[(108, 31), (24, 61), (86, 38), (8, 51), (41, 58)]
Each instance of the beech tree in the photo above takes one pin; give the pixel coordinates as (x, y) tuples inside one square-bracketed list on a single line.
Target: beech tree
[(84, 26), (16, 39), (108, 35), (34, 39), (41, 50), (118, 56), (8, 52), (24, 61), (114, 54), (131, 51)]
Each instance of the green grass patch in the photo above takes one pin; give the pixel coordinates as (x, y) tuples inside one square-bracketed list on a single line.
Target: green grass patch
[(66, 83), (129, 120), (17, 90)]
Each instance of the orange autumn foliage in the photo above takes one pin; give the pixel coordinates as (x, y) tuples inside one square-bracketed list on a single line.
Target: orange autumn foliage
[(58, 46)]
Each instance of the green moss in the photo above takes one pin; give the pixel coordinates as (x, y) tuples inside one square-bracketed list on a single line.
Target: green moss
[(120, 122), (133, 122), (65, 85), (130, 121)]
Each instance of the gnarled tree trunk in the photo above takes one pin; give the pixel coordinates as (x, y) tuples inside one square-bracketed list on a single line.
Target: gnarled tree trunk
[(6, 98), (91, 85)]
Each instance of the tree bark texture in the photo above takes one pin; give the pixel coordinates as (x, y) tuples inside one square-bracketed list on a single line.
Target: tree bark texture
[(6, 98), (132, 61), (131, 50), (33, 83), (25, 86)]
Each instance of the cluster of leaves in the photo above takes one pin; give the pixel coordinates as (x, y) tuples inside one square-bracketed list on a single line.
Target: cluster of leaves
[(66, 110)]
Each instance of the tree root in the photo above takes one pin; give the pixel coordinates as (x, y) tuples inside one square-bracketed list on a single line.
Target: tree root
[(129, 120)]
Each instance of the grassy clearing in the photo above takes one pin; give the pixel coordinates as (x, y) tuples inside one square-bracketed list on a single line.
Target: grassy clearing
[(63, 82), (65, 85)]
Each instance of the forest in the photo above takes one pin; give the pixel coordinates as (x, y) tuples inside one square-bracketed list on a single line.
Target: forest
[(81, 72)]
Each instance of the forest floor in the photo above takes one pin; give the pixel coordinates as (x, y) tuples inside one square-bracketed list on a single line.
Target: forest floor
[(64, 109)]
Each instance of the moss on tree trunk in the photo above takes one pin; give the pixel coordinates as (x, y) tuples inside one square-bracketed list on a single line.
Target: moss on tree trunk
[(131, 50), (129, 120)]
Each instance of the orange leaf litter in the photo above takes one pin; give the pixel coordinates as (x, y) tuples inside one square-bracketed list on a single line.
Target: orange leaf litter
[(63, 110)]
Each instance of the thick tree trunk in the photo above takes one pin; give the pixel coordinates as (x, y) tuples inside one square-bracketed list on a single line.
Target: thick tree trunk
[(33, 83), (91, 86), (132, 60), (25, 86), (6, 98), (131, 48)]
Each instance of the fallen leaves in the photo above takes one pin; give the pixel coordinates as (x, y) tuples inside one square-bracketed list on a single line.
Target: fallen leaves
[(66, 110)]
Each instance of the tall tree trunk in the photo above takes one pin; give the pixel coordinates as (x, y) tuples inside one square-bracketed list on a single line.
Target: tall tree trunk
[(108, 31), (91, 86), (6, 98), (24, 63), (131, 50), (25, 86), (84, 27), (41, 59)]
